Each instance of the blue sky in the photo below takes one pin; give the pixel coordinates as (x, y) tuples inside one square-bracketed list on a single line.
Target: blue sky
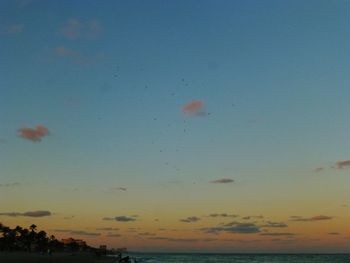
[(109, 80)]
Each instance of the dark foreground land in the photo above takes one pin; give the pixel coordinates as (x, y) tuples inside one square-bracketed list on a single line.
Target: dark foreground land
[(60, 257)]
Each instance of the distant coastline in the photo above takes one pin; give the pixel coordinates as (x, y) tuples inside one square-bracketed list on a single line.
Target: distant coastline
[(29, 245), (58, 257)]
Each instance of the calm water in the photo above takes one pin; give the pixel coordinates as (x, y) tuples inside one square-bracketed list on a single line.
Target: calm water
[(205, 258)]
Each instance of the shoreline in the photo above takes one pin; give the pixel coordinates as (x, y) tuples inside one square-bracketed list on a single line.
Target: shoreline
[(58, 257)]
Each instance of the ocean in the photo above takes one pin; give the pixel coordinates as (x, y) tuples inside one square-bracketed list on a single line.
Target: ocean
[(240, 258)]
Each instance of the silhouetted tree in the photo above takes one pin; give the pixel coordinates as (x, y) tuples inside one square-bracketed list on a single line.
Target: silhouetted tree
[(32, 227), (25, 239)]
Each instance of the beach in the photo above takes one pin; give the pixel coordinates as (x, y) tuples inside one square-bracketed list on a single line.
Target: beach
[(60, 257)]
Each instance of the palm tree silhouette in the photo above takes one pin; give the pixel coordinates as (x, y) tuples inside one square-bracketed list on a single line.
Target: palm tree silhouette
[(32, 227)]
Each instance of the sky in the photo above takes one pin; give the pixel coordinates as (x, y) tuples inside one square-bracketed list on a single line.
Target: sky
[(215, 126)]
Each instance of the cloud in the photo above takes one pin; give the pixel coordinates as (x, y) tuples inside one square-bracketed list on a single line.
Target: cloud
[(146, 234), (194, 108), (121, 218), (234, 227), (209, 239), (174, 239), (223, 215), (318, 169), (107, 229), (76, 29), (119, 188), (34, 135), (275, 224), (277, 234), (113, 235), (37, 213), (124, 219), (66, 52), (241, 240), (28, 214), (190, 219), (342, 164), (10, 185), (116, 189), (14, 29), (77, 232), (223, 181), (76, 56), (310, 219), (251, 217)]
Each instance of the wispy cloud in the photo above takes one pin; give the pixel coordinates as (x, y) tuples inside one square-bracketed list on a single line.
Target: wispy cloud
[(146, 234), (121, 218), (209, 239), (333, 233), (28, 214), (274, 225), (190, 219), (310, 219), (252, 217), (13, 29), (35, 134), (66, 52), (277, 234), (222, 215), (119, 188), (76, 56), (318, 169), (10, 184), (234, 227), (175, 239), (77, 29), (107, 229), (242, 240), (342, 164), (77, 232), (116, 189), (113, 235), (222, 181)]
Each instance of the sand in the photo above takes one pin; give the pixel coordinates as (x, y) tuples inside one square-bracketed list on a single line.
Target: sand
[(79, 257)]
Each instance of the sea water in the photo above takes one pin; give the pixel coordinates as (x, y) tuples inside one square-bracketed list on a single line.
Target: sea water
[(240, 258)]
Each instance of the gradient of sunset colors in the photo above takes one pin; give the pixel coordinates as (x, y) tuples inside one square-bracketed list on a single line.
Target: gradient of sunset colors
[(211, 126)]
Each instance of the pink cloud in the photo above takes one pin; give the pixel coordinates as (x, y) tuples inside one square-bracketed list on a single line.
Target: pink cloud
[(34, 135), (194, 108), (342, 164)]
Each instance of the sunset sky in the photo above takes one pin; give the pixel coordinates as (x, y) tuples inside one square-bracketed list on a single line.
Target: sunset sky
[(215, 126)]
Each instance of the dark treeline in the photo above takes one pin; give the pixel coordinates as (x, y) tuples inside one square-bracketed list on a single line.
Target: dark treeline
[(29, 239)]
